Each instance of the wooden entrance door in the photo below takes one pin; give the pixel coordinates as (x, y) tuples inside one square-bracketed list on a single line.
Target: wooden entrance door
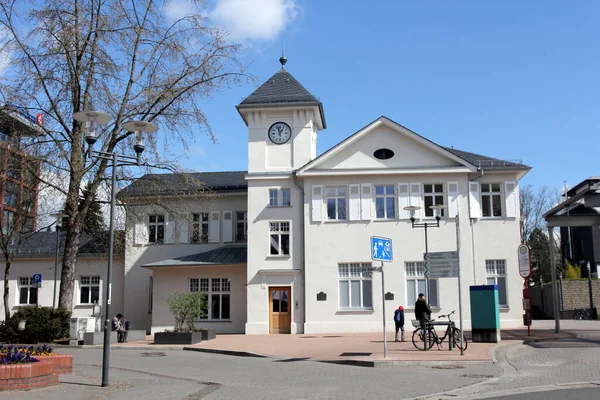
[(280, 315)]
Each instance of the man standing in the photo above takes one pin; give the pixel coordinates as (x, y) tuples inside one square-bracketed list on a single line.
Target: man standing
[(399, 321), (422, 312)]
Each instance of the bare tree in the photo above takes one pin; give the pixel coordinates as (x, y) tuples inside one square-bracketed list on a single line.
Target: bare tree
[(534, 202), (123, 57)]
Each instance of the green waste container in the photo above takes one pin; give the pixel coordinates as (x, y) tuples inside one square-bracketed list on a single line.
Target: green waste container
[(485, 313)]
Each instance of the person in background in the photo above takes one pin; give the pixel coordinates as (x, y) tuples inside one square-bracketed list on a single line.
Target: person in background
[(399, 321), (118, 325), (422, 312)]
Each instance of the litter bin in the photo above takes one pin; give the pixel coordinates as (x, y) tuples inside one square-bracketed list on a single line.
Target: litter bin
[(127, 325)]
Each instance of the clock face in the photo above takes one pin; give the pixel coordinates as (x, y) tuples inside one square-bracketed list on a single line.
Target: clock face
[(280, 132)]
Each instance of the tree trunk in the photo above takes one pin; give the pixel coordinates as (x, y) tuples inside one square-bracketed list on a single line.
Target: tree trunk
[(6, 289), (67, 276)]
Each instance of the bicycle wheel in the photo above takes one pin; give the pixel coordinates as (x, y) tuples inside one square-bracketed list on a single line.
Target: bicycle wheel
[(456, 337), (417, 339)]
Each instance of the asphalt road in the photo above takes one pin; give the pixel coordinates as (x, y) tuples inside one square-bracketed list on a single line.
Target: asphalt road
[(592, 393)]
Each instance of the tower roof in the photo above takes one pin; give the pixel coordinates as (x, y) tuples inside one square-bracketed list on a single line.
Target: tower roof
[(281, 90)]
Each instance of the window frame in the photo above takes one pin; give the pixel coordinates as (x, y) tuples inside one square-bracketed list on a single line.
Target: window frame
[(354, 273), (30, 286), (224, 291), (492, 273), (385, 196), (280, 232), (413, 278), (337, 197), (489, 198), (90, 279), (280, 197), (156, 224), (244, 222), (434, 194), (199, 225)]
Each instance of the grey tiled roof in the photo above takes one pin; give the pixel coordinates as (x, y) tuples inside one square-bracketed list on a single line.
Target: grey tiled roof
[(43, 244), (230, 254), (280, 88), (486, 162), (186, 183)]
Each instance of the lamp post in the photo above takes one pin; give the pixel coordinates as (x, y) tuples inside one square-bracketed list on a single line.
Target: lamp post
[(437, 209), (92, 119), (59, 218)]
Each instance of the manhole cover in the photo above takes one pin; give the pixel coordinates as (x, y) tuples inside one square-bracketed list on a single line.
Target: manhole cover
[(447, 367), (154, 354), (355, 354)]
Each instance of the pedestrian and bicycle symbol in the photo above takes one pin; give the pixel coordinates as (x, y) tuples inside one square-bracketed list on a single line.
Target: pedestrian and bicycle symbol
[(381, 248)]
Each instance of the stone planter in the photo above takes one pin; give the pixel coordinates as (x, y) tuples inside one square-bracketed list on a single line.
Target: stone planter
[(61, 363), (177, 337), (27, 376), (208, 334)]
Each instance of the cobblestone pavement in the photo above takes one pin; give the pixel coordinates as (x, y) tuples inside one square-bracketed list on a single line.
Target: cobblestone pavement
[(539, 366)]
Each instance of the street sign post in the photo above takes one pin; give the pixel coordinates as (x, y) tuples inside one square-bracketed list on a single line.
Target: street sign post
[(381, 250), (524, 254)]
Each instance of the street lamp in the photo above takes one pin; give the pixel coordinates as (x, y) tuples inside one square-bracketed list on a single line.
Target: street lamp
[(437, 210), (59, 219), (92, 119)]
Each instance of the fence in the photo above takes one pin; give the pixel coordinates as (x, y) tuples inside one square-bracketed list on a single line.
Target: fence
[(575, 294)]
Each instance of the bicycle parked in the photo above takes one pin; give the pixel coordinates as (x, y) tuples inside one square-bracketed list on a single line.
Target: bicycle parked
[(580, 314), (433, 338)]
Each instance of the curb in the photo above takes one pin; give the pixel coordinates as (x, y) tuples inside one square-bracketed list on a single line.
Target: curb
[(226, 352), (99, 346), (402, 363)]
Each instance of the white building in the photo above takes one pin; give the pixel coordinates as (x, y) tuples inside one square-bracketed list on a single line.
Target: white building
[(308, 221), (280, 248)]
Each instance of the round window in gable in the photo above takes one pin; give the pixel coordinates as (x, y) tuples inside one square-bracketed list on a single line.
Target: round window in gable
[(383, 154)]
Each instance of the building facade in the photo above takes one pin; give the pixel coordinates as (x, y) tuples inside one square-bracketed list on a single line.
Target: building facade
[(284, 247)]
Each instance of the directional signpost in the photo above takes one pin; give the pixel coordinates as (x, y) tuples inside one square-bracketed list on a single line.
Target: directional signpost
[(381, 250), (443, 264)]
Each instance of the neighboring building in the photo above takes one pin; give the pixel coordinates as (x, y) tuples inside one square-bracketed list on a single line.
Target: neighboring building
[(308, 221), (18, 170), (36, 255), (581, 244)]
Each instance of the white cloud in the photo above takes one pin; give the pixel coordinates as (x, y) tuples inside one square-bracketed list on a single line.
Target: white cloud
[(177, 9), (254, 19), (196, 151)]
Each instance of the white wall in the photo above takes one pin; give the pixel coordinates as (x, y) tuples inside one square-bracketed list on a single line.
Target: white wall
[(177, 280), (86, 266), (137, 279)]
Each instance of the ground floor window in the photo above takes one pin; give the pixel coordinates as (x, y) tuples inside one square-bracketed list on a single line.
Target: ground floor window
[(355, 286), (28, 291), (495, 271), (218, 297), (89, 289), (416, 283)]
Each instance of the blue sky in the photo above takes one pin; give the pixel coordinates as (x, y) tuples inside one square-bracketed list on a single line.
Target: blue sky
[(510, 79)]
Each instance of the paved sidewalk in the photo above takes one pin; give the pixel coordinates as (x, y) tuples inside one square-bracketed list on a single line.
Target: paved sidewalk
[(367, 348)]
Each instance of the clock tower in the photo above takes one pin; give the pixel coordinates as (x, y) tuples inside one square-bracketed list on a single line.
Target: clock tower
[(283, 119)]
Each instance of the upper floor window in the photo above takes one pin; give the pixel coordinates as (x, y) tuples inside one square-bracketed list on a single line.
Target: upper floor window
[(279, 238), (491, 200), (280, 197), (199, 228), (433, 195), (385, 202), (241, 226), (156, 228), (336, 202), (28, 291)]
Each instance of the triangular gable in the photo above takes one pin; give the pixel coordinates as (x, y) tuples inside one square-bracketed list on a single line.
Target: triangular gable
[(411, 150)]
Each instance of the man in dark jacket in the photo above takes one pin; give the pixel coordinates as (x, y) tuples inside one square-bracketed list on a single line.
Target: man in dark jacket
[(422, 312), (399, 321)]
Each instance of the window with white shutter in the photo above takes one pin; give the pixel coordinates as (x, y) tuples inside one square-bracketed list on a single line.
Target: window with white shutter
[(354, 209), (510, 194), (227, 226), (365, 201), (474, 200), (214, 230), (403, 200), (452, 199), (317, 203), (415, 198)]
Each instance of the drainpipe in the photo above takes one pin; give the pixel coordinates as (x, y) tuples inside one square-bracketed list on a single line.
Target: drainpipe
[(303, 246), (473, 230)]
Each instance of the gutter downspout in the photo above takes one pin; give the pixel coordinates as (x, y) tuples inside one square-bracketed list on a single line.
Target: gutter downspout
[(303, 246)]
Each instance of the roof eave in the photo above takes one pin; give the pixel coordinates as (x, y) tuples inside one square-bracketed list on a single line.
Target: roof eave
[(240, 107)]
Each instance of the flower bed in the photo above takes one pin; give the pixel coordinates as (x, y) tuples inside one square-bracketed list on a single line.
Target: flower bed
[(19, 370)]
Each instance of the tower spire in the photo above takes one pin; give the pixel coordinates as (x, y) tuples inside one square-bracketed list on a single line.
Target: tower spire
[(282, 59)]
